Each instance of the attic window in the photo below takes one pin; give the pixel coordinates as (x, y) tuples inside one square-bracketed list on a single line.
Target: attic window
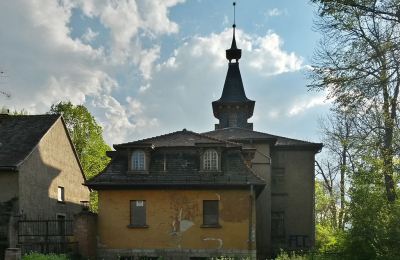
[(138, 160), (210, 160)]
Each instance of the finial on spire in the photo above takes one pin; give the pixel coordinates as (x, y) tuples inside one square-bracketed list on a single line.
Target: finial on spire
[(234, 53), (234, 16)]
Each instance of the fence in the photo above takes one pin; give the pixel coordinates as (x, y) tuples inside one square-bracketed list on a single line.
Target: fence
[(46, 236)]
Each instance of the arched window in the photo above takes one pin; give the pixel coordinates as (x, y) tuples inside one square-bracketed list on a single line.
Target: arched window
[(138, 160), (210, 160)]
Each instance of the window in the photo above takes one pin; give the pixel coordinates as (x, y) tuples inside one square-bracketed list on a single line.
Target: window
[(60, 194), (210, 160), (278, 225), (138, 213), (278, 179), (138, 160), (210, 213)]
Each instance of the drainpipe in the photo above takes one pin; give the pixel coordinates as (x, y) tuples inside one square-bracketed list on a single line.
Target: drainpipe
[(251, 199)]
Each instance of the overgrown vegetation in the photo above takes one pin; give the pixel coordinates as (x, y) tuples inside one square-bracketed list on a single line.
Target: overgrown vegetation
[(37, 256), (358, 65)]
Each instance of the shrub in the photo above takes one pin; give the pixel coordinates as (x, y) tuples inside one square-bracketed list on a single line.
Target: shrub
[(37, 256)]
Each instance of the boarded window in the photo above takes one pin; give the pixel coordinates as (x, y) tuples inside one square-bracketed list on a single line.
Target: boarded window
[(278, 224), (60, 194), (210, 213), (138, 160), (210, 160), (138, 213)]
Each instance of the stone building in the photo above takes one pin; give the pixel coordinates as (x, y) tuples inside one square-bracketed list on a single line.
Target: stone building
[(186, 195), (40, 174)]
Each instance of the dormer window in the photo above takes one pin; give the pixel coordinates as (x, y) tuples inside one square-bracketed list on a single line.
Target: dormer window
[(138, 160), (210, 160)]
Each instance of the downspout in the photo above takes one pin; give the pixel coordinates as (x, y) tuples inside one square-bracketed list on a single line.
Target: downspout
[(251, 200)]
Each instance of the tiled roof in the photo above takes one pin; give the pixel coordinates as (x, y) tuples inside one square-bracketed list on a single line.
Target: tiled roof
[(238, 134), (175, 161), (183, 138), (19, 134), (233, 90)]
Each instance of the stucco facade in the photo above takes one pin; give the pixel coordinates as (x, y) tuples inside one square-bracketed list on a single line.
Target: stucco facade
[(49, 164), (174, 219)]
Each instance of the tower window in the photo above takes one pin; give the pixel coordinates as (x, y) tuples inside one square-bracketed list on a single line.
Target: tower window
[(210, 160), (138, 160)]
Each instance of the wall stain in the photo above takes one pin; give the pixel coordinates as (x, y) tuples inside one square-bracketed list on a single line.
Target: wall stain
[(221, 243)]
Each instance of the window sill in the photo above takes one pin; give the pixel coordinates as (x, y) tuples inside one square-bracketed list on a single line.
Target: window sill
[(211, 226), (137, 226)]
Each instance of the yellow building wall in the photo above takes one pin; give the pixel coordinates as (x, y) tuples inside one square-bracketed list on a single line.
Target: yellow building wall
[(174, 218)]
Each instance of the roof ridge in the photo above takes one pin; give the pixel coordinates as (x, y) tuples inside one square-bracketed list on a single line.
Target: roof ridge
[(258, 132), (180, 131), (145, 139)]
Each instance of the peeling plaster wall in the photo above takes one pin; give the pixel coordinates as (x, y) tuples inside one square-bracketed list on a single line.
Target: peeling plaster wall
[(51, 164), (174, 218)]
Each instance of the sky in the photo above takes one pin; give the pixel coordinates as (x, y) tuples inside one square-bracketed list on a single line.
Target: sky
[(145, 68)]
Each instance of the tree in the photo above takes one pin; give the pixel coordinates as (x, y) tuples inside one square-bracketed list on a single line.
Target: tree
[(87, 138), (388, 10), (358, 64)]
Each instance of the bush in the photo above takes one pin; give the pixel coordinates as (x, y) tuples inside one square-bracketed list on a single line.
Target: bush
[(37, 256)]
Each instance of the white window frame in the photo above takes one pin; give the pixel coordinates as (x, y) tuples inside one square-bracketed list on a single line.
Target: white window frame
[(210, 160), (138, 160), (61, 194)]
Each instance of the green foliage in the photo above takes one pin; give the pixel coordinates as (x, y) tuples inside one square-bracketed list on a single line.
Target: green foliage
[(375, 223), (87, 138), (37, 256), (329, 239)]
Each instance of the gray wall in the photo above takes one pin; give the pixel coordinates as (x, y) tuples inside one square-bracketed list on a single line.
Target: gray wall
[(8, 186), (51, 164)]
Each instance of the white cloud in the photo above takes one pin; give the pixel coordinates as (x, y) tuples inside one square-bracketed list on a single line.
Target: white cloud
[(268, 57), (274, 12), (89, 35), (147, 59), (46, 65), (307, 103)]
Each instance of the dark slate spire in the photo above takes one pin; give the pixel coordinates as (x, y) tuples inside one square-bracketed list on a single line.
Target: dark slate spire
[(233, 108)]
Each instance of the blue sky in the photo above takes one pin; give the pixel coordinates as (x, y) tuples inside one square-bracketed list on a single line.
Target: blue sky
[(144, 68)]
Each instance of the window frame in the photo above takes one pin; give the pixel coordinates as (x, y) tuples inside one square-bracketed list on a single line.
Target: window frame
[(211, 224), (60, 194), (207, 160), (132, 223), (133, 160), (279, 218)]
